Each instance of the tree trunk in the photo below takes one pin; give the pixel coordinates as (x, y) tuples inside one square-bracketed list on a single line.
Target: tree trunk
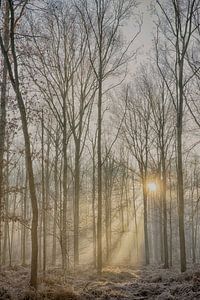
[(146, 239), (99, 161), (93, 208), (47, 198), (135, 217), (43, 200), (170, 222), (164, 192), (180, 171), (24, 218), (76, 203), (6, 197), (121, 211), (55, 202), (3, 111), (64, 206)]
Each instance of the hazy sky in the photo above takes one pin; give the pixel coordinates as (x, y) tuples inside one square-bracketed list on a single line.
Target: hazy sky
[(145, 38)]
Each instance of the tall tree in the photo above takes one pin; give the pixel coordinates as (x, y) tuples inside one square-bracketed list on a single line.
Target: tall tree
[(178, 28), (137, 133), (11, 61), (163, 125), (4, 6), (102, 21)]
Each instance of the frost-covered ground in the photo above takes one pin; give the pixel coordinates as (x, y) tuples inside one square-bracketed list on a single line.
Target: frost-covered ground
[(115, 283)]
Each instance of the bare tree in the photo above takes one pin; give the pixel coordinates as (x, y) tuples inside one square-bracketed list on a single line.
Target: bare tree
[(5, 9), (137, 133), (178, 29), (11, 61), (156, 93), (102, 20)]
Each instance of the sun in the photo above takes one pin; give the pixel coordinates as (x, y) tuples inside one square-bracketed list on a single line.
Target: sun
[(152, 186)]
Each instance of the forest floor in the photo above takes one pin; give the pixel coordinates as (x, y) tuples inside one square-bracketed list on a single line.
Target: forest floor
[(115, 283)]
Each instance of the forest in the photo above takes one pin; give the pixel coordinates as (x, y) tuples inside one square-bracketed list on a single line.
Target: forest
[(99, 149)]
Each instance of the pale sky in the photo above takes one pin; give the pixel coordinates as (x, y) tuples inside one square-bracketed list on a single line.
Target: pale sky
[(145, 38)]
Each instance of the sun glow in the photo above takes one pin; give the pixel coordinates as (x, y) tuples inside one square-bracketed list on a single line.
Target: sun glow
[(152, 186)]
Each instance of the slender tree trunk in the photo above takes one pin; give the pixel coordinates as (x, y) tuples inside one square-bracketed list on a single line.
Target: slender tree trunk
[(76, 204), (193, 231), (146, 239), (127, 202), (3, 111), (197, 217), (181, 200), (107, 213), (135, 217), (180, 171), (99, 158), (161, 220), (6, 197), (47, 198), (13, 223), (43, 200), (108, 182), (93, 209), (110, 223), (24, 213), (64, 206), (55, 202), (40, 237), (170, 222), (164, 200), (6, 230), (121, 211)]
